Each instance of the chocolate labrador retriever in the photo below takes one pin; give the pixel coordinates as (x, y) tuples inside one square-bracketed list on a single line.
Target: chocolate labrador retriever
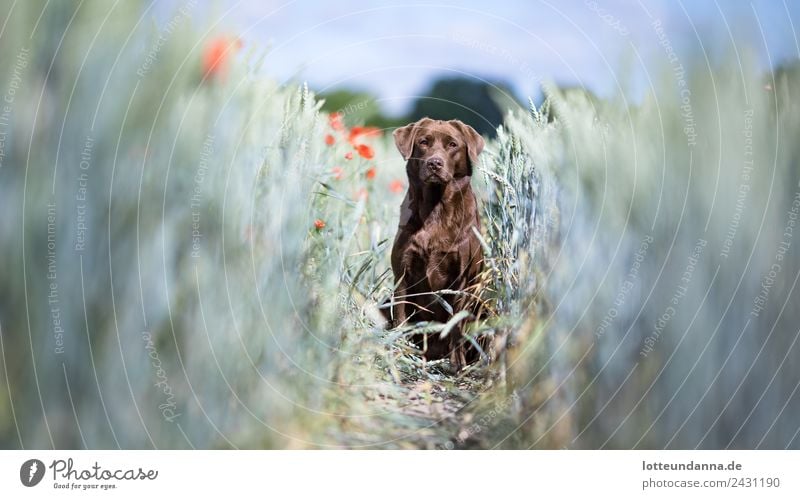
[(436, 248)]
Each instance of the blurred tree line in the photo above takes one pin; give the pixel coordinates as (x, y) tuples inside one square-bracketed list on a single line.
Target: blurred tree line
[(478, 103)]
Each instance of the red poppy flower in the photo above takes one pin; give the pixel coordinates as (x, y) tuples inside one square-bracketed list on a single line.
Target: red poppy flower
[(362, 194), (329, 139), (335, 121), (396, 186), (337, 172), (365, 151), (362, 131), (319, 224), (370, 173), (348, 155), (216, 54)]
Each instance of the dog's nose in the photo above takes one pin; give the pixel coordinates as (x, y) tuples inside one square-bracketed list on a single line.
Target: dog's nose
[(434, 163)]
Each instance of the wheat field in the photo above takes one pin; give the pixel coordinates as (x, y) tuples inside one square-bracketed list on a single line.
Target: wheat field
[(196, 256)]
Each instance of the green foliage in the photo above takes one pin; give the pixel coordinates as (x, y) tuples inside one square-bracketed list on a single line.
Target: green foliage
[(481, 104), (358, 108)]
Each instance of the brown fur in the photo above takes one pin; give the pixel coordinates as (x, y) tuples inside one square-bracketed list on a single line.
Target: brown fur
[(435, 247)]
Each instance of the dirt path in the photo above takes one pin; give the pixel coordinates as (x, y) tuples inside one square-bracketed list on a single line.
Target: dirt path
[(426, 408)]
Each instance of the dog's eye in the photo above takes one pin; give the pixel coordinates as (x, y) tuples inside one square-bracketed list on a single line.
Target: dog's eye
[(452, 145), (423, 142)]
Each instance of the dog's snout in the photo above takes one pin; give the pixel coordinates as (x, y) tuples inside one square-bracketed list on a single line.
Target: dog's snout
[(434, 163)]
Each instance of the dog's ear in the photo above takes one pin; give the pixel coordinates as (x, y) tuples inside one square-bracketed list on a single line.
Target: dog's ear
[(404, 136), (404, 139), (473, 139)]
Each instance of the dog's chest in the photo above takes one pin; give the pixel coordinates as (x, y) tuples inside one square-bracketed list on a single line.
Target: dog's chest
[(430, 251)]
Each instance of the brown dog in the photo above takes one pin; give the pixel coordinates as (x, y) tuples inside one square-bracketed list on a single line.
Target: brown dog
[(435, 247)]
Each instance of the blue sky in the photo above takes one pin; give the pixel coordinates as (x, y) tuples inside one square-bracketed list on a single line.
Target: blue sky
[(395, 48)]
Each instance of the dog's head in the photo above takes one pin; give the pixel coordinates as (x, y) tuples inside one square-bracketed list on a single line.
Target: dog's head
[(438, 151)]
